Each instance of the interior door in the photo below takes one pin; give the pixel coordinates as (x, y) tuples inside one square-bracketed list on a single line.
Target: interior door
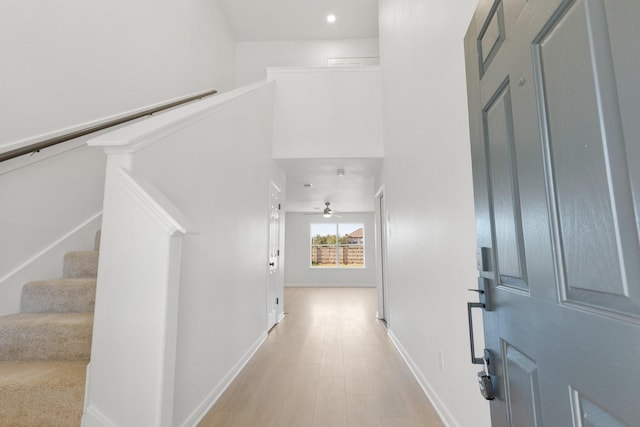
[(274, 255), (554, 104)]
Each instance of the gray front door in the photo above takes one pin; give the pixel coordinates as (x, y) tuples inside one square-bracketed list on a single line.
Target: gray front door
[(554, 101)]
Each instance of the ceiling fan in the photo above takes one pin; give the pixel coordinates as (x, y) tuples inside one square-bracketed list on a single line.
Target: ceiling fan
[(327, 212)]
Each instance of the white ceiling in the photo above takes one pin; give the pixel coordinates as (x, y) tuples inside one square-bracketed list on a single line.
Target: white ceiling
[(353, 192), (286, 20), (261, 20)]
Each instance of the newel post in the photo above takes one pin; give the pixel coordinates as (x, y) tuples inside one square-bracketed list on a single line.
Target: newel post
[(130, 380)]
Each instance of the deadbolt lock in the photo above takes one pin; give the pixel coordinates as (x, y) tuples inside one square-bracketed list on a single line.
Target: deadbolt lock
[(485, 381)]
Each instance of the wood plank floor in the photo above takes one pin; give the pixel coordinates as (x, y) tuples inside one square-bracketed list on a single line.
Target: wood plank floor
[(328, 363)]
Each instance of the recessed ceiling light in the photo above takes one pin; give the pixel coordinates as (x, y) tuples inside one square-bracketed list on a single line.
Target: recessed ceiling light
[(331, 18)]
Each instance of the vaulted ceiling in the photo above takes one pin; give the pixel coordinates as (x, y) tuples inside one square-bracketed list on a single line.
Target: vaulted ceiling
[(301, 19), (289, 20)]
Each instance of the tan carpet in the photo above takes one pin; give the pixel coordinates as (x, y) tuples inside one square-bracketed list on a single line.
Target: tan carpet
[(46, 336), (81, 264), (44, 350), (59, 295), (41, 394)]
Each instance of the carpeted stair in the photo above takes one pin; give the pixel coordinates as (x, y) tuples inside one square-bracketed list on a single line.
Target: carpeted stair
[(44, 349)]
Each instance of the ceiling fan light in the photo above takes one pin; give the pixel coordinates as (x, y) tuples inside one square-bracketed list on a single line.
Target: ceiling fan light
[(327, 211)]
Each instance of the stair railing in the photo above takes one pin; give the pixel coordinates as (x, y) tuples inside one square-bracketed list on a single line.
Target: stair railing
[(49, 142)]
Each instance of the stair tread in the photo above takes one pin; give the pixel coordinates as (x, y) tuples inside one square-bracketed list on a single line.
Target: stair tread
[(64, 280), (36, 319), (42, 393)]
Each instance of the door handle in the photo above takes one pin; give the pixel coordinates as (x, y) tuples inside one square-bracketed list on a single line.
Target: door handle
[(272, 264), (484, 377), (470, 306)]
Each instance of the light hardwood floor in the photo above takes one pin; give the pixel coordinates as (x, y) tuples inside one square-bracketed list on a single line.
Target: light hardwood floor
[(328, 363)]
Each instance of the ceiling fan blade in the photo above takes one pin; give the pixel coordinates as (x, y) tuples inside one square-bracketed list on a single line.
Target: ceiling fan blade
[(327, 212)]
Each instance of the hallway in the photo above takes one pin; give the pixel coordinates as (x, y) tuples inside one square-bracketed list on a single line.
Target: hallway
[(328, 363)]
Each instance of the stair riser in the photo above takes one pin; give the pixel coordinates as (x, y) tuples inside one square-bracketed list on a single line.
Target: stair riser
[(58, 297), (81, 264), (59, 340)]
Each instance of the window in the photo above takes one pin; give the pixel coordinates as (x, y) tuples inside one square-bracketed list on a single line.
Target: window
[(337, 245)]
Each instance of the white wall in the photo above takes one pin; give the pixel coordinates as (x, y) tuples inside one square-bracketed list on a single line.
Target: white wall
[(327, 112), (298, 254), (429, 200), (50, 205), (214, 164), (224, 280), (253, 57), (65, 66), (70, 63)]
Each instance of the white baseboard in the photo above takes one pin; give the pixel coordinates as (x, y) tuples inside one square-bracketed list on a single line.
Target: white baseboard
[(46, 263), (206, 405), (93, 417), (433, 397), (280, 317)]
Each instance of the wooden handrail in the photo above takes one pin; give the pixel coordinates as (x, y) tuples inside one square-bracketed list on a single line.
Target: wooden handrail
[(37, 146)]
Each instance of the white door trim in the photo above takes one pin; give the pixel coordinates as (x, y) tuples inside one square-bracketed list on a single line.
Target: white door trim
[(381, 257)]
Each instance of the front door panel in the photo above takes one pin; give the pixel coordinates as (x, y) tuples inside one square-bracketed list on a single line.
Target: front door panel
[(595, 228), (554, 108), (523, 391), (588, 414), (508, 250)]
